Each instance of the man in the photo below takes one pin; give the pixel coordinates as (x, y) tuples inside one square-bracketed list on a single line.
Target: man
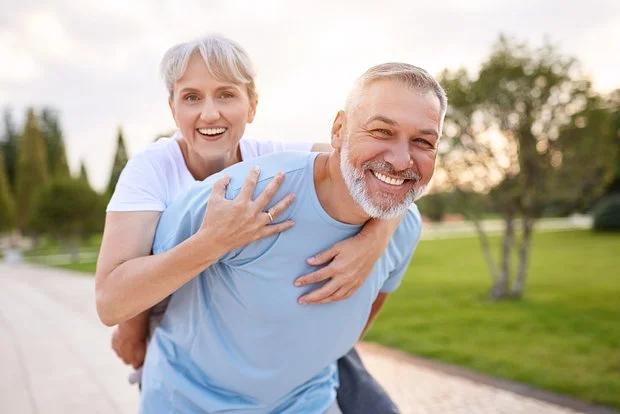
[(235, 339)]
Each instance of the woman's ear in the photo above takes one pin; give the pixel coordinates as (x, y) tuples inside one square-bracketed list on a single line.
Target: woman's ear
[(252, 110), (172, 109)]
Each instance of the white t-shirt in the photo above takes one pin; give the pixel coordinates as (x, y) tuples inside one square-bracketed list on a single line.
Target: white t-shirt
[(153, 178)]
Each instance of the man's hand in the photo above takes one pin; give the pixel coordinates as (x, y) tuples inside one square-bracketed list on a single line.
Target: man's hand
[(129, 340)]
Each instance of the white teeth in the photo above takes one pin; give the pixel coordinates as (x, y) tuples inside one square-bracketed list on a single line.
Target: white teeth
[(388, 180), (211, 131)]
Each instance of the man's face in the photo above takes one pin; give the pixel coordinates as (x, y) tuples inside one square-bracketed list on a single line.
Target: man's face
[(388, 146)]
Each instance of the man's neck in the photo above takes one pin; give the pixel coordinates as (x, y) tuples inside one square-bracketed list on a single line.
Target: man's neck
[(333, 193)]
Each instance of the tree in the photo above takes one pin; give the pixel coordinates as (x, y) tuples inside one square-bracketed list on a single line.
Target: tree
[(527, 130), (614, 107), (83, 173), (54, 142), (69, 210), (8, 146), (7, 204), (32, 171), (120, 159)]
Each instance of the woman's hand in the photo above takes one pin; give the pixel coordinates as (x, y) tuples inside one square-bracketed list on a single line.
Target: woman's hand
[(235, 223), (350, 263), (129, 280)]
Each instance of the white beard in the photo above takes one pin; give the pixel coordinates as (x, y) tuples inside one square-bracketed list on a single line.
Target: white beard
[(356, 185)]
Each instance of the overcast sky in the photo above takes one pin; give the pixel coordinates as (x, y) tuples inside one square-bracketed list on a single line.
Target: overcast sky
[(96, 61)]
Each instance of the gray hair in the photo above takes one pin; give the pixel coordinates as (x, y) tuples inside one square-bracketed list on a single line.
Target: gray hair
[(412, 76), (226, 60)]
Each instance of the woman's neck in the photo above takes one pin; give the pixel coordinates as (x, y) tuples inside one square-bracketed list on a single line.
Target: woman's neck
[(201, 168)]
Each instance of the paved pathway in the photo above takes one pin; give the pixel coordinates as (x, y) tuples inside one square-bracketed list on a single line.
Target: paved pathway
[(55, 358)]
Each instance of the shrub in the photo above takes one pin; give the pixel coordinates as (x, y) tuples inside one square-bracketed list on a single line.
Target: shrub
[(607, 213)]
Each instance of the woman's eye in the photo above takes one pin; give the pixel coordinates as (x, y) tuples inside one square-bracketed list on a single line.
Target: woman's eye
[(226, 95)]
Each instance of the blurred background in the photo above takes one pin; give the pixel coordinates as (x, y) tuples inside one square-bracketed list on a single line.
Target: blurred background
[(517, 276)]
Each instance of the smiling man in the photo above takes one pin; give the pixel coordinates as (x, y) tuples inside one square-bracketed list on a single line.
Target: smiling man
[(235, 339)]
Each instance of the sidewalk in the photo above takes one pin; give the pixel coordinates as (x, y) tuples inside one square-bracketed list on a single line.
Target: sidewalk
[(55, 358)]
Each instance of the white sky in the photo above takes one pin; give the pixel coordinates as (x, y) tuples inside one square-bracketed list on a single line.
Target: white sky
[(96, 61)]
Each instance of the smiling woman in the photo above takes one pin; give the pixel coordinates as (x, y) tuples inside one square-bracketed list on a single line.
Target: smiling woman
[(212, 97)]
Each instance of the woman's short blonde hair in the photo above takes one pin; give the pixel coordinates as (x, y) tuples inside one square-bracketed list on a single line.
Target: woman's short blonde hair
[(225, 59)]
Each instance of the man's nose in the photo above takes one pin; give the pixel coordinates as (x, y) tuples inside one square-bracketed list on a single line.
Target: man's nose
[(210, 111), (399, 156)]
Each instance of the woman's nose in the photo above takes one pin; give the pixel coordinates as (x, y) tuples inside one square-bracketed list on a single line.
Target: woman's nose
[(209, 111)]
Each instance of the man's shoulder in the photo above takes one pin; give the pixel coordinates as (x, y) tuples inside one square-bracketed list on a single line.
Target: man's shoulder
[(291, 163), (409, 231)]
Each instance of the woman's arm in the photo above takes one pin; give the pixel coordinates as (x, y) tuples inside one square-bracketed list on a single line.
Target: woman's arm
[(350, 262), (322, 147), (129, 280)]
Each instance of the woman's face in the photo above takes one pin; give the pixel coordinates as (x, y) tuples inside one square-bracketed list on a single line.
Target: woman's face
[(210, 113)]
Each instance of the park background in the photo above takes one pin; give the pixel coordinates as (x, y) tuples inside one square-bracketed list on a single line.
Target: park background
[(511, 278)]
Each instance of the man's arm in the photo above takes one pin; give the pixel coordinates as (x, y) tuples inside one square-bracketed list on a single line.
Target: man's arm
[(374, 310), (129, 339)]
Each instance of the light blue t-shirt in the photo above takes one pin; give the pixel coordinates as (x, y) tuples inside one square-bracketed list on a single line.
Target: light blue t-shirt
[(234, 339)]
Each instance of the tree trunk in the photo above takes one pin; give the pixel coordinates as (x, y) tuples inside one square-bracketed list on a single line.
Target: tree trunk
[(501, 288), (524, 254), (486, 249), (75, 250)]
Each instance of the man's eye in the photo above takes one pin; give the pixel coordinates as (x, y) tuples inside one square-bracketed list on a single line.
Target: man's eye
[(424, 142), (384, 132), (192, 98)]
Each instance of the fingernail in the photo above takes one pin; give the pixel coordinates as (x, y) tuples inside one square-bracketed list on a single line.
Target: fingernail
[(297, 284), (256, 168), (301, 302)]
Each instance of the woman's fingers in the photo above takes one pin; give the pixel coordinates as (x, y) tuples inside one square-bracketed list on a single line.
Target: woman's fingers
[(279, 207), (324, 256), (275, 229), (249, 185), (314, 277), (269, 191), (218, 190), (324, 294)]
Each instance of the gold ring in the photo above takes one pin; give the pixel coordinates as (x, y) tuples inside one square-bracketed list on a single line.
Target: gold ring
[(270, 216)]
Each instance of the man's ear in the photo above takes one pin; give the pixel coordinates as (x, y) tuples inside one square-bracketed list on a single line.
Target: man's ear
[(338, 130)]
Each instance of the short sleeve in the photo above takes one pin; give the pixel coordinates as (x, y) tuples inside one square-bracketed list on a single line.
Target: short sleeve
[(138, 188), (408, 236), (253, 148)]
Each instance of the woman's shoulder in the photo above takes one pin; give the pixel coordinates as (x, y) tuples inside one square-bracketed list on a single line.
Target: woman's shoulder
[(253, 148), (151, 178)]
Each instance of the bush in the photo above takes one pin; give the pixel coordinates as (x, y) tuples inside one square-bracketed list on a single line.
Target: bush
[(607, 214)]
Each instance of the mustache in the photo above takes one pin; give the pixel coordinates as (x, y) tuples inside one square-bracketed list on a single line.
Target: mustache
[(385, 167)]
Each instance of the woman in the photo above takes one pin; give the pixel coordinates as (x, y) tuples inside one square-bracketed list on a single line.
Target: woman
[(212, 96)]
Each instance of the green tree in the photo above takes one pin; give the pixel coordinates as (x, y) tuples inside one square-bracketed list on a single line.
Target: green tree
[(7, 204), (83, 173), (614, 107), (69, 210), (8, 146), (526, 130), (54, 142), (32, 171), (120, 160)]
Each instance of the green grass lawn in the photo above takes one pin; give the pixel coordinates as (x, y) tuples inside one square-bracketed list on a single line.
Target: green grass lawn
[(87, 267), (563, 336)]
